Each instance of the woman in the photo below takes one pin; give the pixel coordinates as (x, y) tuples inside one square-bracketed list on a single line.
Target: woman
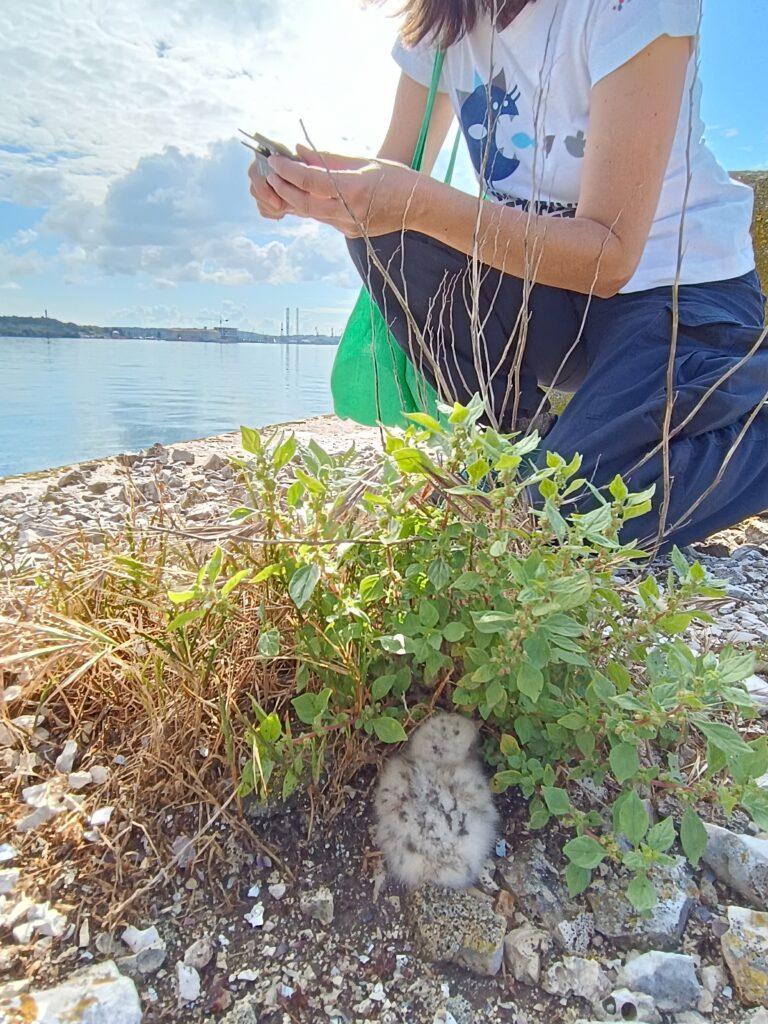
[(582, 120)]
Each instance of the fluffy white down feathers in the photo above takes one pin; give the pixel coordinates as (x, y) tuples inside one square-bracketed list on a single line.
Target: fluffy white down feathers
[(435, 819)]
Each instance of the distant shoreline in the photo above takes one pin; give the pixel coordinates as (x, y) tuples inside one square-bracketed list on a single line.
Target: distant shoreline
[(322, 339)]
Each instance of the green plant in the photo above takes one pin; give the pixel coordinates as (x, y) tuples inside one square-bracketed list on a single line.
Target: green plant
[(417, 584)]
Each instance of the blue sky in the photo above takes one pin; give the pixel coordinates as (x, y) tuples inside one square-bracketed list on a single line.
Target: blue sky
[(123, 199)]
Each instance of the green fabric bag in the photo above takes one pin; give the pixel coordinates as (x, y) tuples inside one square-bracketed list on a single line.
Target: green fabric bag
[(372, 380)]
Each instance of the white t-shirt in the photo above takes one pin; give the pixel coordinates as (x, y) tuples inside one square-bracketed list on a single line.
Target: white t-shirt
[(542, 68)]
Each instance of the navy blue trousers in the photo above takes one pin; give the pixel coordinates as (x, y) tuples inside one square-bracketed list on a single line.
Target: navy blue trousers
[(616, 372)]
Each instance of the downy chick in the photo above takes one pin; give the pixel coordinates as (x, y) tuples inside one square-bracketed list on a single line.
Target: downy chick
[(435, 816)]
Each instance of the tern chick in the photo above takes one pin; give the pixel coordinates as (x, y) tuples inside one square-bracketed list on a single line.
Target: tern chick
[(435, 818)]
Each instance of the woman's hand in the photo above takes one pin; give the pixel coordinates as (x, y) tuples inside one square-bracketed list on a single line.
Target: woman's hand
[(354, 195), (270, 205)]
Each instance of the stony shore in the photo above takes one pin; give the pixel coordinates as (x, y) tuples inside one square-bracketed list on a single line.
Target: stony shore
[(320, 938)]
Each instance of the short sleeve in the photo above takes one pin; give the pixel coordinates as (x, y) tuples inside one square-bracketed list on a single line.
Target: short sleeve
[(620, 29), (418, 62)]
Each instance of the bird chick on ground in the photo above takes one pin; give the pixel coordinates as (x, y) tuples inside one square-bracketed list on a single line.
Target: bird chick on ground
[(435, 819)]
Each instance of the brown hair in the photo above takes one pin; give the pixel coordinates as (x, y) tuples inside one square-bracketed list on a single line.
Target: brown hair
[(446, 21)]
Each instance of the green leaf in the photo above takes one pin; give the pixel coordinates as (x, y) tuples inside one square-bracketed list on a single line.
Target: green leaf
[(269, 643), (234, 581), (290, 782), (557, 800), (439, 572), (494, 622), (485, 673), (573, 721), (641, 894), (309, 705), (723, 737), (185, 618), (633, 819), (693, 836), (284, 453), (266, 572), (537, 649), (389, 730), (303, 583), (181, 596), (755, 803), (733, 667), (251, 440), (530, 681), (618, 489), (495, 694), (428, 613), (454, 631), (293, 496), (662, 835), (624, 761), (584, 852), (270, 729), (556, 522), (393, 644), (498, 548), (508, 745), (577, 879), (425, 420), (382, 686)]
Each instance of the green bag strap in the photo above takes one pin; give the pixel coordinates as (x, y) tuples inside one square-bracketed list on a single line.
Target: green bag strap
[(418, 156)]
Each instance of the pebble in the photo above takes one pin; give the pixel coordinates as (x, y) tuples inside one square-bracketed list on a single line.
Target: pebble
[(577, 976), (456, 926), (739, 861), (745, 950), (200, 953), (187, 983), (66, 759), (318, 905), (98, 994), (669, 978), (523, 951)]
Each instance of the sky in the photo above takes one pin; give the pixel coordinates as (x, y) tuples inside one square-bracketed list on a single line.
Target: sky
[(123, 192)]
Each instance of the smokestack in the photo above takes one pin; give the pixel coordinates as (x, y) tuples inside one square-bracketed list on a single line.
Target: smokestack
[(297, 320), (287, 321)]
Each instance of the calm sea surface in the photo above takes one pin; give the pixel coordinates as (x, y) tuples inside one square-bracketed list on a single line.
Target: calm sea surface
[(64, 400)]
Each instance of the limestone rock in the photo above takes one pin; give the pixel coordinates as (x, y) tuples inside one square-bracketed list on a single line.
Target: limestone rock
[(457, 926), (617, 919), (97, 994), (745, 949), (537, 885), (623, 1005), (740, 861), (577, 976), (523, 950), (318, 905), (669, 978)]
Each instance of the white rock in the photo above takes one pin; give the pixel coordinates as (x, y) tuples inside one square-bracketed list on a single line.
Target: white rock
[(23, 933), (523, 950), (99, 774), (200, 953), (740, 861), (576, 976), (66, 759), (7, 852), (47, 920), (96, 995), (254, 891), (187, 983), (255, 916), (318, 905), (79, 780), (9, 879), (669, 978), (757, 687), (623, 1005), (183, 455), (101, 816), (138, 939), (277, 891), (38, 817)]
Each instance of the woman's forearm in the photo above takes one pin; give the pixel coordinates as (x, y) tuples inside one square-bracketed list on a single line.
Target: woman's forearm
[(575, 253)]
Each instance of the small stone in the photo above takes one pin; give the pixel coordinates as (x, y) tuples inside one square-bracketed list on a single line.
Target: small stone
[(255, 916), (74, 476), (99, 486), (623, 1005), (9, 879), (576, 935), (99, 774), (213, 463), (23, 933), (536, 885), (99, 993), (457, 926), (200, 953), (745, 949), (523, 950), (38, 817), (277, 891), (576, 976), (7, 853), (79, 780), (183, 455), (187, 983), (138, 939), (662, 928), (318, 905), (740, 861), (669, 978)]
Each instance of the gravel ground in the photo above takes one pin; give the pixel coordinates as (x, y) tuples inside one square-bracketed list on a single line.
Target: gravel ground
[(327, 939)]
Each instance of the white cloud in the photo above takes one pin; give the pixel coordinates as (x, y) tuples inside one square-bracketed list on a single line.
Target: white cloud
[(186, 218), (92, 86), (16, 264)]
